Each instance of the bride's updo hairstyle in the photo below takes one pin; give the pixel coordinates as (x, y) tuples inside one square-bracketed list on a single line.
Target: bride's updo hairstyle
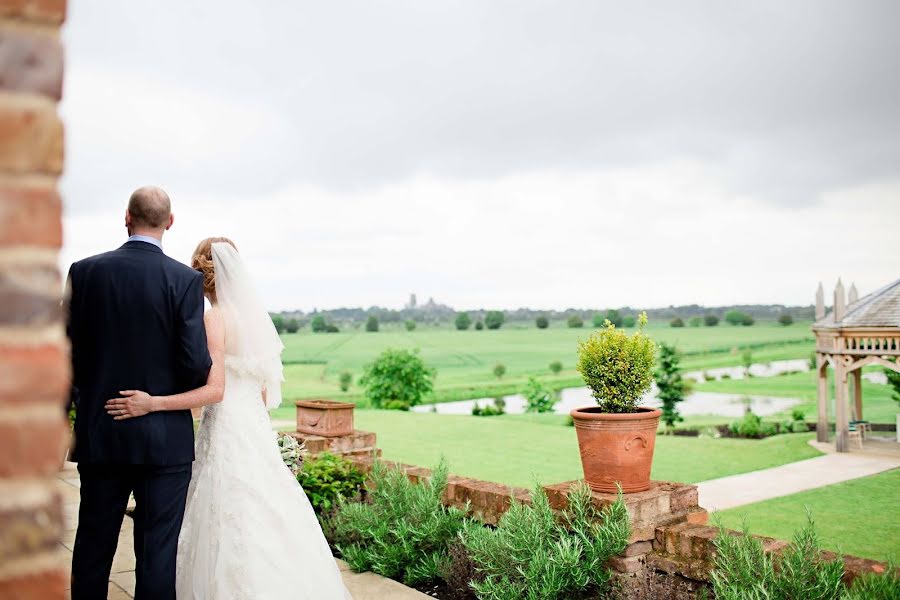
[(202, 261)]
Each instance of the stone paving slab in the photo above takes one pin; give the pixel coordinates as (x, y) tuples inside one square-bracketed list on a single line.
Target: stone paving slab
[(748, 488), (362, 586)]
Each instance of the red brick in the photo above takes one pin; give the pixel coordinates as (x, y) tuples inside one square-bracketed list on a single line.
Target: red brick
[(31, 136), (30, 295), (630, 564), (30, 62), (30, 216), (684, 498), (698, 517), (48, 584), (47, 11), (32, 445), (29, 374), (30, 530), (637, 549)]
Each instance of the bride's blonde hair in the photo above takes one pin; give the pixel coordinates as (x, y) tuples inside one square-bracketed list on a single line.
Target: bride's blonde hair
[(202, 261)]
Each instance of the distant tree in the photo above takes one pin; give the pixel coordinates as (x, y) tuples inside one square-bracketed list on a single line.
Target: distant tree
[(556, 367), (629, 321), (463, 321), (318, 324), (292, 326), (410, 325), (614, 317), (479, 325), (785, 319), (542, 322), (747, 321), (499, 370), (672, 387), (893, 378), (494, 319), (397, 379), (372, 323), (345, 379), (695, 322), (539, 399), (331, 328), (734, 317), (747, 360), (676, 322), (574, 322), (710, 320), (278, 322), (597, 320)]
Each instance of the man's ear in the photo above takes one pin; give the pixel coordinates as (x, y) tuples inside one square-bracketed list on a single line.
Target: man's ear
[(127, 218), (171, 221)]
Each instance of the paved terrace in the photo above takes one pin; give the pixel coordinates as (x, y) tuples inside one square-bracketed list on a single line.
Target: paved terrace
[(363, 586)]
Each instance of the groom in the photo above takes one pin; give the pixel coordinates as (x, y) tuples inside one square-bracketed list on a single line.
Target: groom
[(135, 322)]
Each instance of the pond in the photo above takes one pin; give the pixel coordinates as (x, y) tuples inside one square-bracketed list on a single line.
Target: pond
[(697, 403)]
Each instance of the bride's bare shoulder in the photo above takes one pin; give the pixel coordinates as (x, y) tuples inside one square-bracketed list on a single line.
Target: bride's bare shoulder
[(212, 318)]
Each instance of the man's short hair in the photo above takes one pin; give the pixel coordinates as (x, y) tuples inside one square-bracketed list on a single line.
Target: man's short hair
[(150, 207)]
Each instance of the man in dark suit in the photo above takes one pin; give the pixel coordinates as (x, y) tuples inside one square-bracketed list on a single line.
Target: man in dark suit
[(135, 323)]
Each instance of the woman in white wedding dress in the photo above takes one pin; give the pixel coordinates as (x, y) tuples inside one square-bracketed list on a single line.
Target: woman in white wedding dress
[(249, 531)]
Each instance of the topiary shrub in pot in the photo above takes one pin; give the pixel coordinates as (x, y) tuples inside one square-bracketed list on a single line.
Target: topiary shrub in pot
[(616, 438)]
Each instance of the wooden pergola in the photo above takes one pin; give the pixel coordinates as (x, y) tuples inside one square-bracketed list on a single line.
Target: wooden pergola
[(856, 333)]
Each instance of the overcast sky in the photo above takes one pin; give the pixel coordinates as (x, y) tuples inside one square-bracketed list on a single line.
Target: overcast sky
[(497, 153)]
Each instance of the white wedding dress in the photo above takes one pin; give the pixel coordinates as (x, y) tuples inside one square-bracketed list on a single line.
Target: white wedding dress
[(249, 531)]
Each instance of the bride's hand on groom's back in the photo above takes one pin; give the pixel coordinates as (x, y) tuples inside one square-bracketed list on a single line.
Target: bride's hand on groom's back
[(133, 403)]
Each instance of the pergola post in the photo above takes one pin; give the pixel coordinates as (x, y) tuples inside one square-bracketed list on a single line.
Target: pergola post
[(822, 399), (857, 393), (841, 422)]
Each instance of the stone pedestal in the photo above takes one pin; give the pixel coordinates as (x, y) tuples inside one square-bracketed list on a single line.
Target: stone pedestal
[(357, 443)]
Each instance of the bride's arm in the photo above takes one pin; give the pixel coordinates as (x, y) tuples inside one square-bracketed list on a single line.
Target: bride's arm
[(135, 403)]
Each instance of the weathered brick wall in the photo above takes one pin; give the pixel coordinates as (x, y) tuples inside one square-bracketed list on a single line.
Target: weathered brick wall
[(33, 351)]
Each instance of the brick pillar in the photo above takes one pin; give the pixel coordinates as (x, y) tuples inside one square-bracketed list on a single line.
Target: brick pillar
[(33, 351)]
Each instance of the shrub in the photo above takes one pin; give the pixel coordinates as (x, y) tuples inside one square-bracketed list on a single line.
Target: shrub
[(498, 408), (479, 325), (328, 477), (494, 319), (734, 317), (813, 361), (345, 380), (710, 320), (893, 378), (742, 569), (617, 367), (410, 325), (292, 326), (747, 360), (785, 319), (752, 426), (556, 367), (397, 379), (499, 370), (372, 323), (598, 320), (798, 415), (672, 387), (876, 586), (695, 321), (404, 531), (533, 556), (613, 317), (318, 324), (747, 321), (676, 322), (629, 321), (542, 322), (538, 398), (463, 321), (292, 452), (331, 328), (278, 322), (574, 322)]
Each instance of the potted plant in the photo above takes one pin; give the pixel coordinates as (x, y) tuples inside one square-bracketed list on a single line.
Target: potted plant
[(326, 418), (616, 438)]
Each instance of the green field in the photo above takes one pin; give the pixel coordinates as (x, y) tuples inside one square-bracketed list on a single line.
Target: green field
[(464, 360), (859, 517), (519, 450)]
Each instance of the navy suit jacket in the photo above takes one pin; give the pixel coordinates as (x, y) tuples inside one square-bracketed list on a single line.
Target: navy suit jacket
[(135, 323)]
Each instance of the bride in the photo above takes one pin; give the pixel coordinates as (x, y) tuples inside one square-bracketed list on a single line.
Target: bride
[(249, 531)]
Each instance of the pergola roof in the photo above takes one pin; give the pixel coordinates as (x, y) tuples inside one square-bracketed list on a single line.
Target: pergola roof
[(881, 308)]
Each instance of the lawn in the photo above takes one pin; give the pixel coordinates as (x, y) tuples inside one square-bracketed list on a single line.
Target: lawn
[(878, 406), (519, 450), (464, 360), (859, 517)]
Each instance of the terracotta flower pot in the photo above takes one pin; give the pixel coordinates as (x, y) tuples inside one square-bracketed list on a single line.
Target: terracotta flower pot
[(616, 447), (327, 418)]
